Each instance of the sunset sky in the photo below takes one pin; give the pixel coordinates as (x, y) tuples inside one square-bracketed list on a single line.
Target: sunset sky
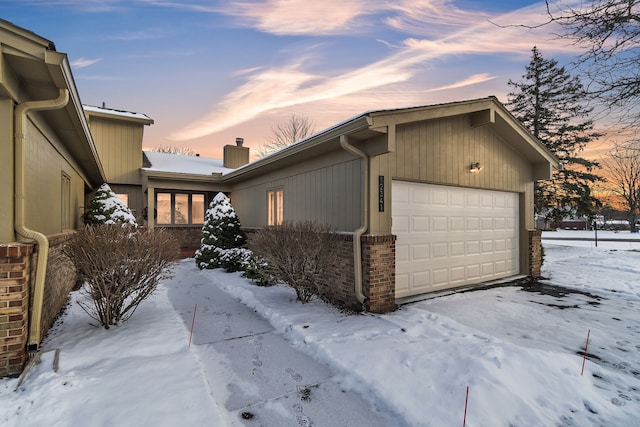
[(209, 71)]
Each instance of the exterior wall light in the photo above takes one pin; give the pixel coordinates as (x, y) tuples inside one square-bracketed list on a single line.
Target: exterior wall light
[(475, 167)]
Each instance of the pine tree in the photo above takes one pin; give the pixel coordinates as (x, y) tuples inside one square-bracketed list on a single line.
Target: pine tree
[(107, 208), (221, 235), (549, 102)]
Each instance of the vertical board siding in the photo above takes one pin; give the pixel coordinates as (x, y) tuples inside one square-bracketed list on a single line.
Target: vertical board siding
[(119, 146), (329, 194), (44, 165), (440, 151)]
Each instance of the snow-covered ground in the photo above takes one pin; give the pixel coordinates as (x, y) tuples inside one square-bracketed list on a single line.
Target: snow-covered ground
[(519, 350)]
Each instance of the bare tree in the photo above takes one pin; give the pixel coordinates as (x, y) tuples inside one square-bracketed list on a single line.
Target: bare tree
[(184, 150), (623, 165), (609, 33), (295, 129)]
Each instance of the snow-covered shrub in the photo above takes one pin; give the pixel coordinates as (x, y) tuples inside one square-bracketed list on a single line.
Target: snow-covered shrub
[(299, 254), (259, 271), (220, 232), (120, 268), (234, 259), (107, 208)]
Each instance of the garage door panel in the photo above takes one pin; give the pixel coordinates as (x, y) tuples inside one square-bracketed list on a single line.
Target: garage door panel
[(439, 251), (457, 249), (420, 223), (452, 236), (440, 223), (420, 252)]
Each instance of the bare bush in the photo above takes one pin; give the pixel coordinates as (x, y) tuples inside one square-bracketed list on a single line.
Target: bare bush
[(299, 254), (120, 267)]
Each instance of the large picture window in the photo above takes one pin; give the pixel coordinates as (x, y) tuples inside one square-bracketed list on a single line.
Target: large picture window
[(275, 209), (180, 208)]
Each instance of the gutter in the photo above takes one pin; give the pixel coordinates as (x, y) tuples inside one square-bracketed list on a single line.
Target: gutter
[(21, 229), (357, 235)]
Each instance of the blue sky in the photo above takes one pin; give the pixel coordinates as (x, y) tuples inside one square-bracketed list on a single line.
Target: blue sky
[(209, 71)]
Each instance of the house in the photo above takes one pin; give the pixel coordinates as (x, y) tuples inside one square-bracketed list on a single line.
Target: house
[(428, 198), (48, 163), (424, 198)]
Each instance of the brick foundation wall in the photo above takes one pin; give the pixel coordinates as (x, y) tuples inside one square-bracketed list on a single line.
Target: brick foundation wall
[(188, 238), (340, 288), (535, 252), (379, 272), (60, 280), (14, 306)]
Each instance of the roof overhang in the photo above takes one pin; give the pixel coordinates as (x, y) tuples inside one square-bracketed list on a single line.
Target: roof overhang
[(374, 133), (326, 141), (111, 114), (31, 70)]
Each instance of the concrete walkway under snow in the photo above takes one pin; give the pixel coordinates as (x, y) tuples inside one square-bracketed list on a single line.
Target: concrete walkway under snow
[(258, 376)]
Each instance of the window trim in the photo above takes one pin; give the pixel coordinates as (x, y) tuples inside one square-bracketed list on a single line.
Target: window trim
[(65, 201), (172, 204), (275, 206)]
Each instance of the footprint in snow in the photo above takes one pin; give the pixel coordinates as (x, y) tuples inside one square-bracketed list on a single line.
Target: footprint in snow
[(294, 375), (301, 418), (257, 372), (256, 361)]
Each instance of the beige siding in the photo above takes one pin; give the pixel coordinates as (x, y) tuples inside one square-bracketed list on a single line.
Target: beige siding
[(44, 168), (326, 190), (440, 152), (119, 146)]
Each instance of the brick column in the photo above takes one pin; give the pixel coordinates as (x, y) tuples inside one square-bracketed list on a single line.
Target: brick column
[(535, 252), (14, 307), (379, 272)]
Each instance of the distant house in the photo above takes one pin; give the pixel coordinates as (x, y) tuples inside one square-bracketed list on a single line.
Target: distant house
[(425, 198)]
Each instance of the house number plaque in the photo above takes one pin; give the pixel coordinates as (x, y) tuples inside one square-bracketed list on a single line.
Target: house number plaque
[(380, 193)]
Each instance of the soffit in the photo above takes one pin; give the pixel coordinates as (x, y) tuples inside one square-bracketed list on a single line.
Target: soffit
[(40, 78)]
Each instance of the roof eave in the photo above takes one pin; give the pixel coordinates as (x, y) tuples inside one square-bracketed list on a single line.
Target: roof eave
[(351, 126), (154, 174)]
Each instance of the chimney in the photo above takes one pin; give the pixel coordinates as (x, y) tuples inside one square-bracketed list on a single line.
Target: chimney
[(235, 156)]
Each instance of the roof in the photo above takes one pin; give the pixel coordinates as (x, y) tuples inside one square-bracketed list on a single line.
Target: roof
[(122, 114), (34, 70), (367, 125), (183, 164)]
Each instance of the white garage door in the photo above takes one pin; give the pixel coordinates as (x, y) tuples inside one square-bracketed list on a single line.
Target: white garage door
[(452, 236)]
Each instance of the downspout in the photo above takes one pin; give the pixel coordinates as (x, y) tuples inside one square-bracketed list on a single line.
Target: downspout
[(357, 235), (21, 229)]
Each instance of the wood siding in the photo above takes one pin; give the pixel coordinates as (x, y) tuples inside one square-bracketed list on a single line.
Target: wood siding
[(46, 161), (119, 146), (326, 189), (440, 152)]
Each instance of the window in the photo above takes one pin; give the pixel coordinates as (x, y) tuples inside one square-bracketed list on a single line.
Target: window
[(180, 208), (124, 198), (65, 202), (275, 209)]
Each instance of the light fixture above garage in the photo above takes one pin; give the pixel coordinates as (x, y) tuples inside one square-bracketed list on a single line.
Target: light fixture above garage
[(475, 167)]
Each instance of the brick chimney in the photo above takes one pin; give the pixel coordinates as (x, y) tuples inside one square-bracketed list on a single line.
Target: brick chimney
[(235, 156)]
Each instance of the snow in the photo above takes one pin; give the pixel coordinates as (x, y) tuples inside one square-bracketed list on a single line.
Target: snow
[(107, 201), (183, 164), (518, 348), (120, 113)]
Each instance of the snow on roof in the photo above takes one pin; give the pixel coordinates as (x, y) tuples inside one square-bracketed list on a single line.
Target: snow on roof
[(120, 113), (180, 163)]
